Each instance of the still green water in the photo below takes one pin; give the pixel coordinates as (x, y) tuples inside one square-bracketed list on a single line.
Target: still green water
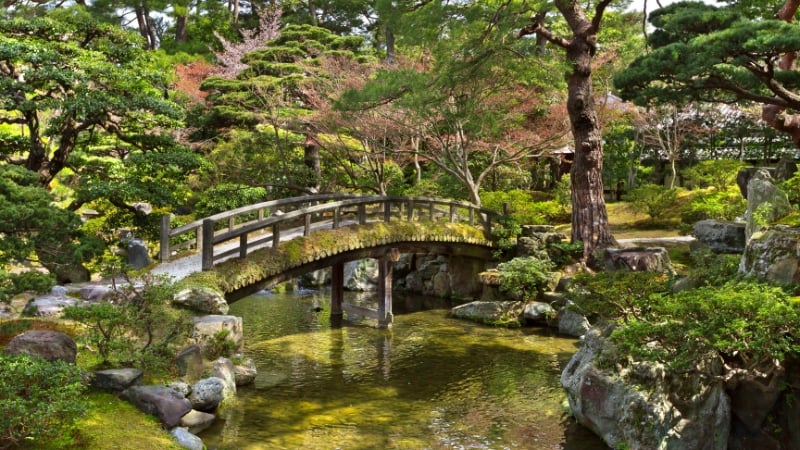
[(430, 382)]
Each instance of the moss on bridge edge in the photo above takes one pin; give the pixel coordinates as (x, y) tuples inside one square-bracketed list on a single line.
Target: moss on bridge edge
[(235, 274)]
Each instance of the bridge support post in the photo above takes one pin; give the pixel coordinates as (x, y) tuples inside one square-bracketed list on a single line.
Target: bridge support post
[(385, 264), (337, 290)]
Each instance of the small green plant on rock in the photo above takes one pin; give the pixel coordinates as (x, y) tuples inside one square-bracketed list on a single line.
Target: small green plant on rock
[(220, 345), (524, 277)]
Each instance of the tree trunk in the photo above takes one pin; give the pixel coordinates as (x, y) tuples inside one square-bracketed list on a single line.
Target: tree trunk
[(776, 116), (180, 28), (390, 50), (311, 159), (589, 216)]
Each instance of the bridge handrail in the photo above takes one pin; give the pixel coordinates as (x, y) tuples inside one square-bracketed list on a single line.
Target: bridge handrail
[(168, 233), (207, 237)]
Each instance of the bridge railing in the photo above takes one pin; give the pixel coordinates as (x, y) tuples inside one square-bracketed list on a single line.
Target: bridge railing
[(190, 236), (239, 231)]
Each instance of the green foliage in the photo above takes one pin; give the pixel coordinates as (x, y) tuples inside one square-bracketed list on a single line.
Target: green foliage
[(618, 295), (219, 345), (748, 325), (524, 209), (84, 81), (713, 204), (792, 188), (655, 200), (40, 401), (137, 325), (524, 277), (30, 226), (226, 196), (565, 253), (504, 235), (717, 173), (708, 53), (712, 269)]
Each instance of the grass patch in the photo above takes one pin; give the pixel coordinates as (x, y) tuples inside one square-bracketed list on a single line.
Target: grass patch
[(112, 423)]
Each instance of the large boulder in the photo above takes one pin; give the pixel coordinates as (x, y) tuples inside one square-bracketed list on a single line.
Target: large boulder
[(440, 276), (48, 305), (571, 322), (535, 240), (639, 407), (197, 421), (47, 344), (224, 369), (494, 313), (784, 170), (638, 259), (720, 236), (160, 401), (245, 373), (539, 312), (772, 254), (138, 254), (206, 327), (743, 179), (765, 202), (189, 362), (202, 299), (116, 380), (361, 275), (186, 439), (207, 394)]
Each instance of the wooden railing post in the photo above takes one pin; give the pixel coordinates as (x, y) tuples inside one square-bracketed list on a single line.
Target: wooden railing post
[(362, 214), (430, 210), (387, 211), (276, 235), (164, 250), (471, 215), (453, 213), (208, 244), (307, 225), (410, 212), (243, 245)]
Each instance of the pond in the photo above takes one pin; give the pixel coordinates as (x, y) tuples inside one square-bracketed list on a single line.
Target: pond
[(429, 382)]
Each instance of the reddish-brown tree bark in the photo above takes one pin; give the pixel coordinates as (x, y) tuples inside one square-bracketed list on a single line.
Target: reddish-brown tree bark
[(775, 115), (589, 216)]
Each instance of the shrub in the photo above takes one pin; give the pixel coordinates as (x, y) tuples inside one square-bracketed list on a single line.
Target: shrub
[(719, 205), (712, 269), (716, 173), (792, 188), (524, 207), (227, 196), (564, 253), (655, 200), (40, 401), (525, 277), (617, 295), (749, 326), (138, 325)]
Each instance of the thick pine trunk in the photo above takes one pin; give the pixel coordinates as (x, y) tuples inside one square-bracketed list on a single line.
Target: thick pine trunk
[(589, 216)]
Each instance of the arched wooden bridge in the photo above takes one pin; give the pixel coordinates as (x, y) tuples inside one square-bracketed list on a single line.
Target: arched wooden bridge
[(251, 247)]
